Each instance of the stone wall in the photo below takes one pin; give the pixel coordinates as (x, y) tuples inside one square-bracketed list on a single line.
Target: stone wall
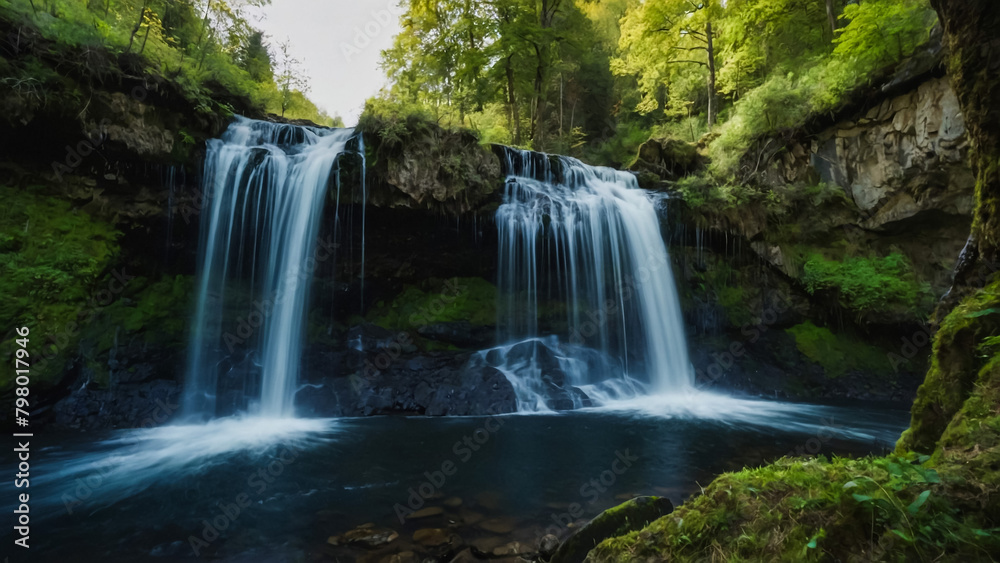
[(905, 155)]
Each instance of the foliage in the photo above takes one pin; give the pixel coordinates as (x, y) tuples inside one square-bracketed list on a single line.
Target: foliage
[(866, 284), (879, 33), (666, 44), (618, 149), (837, 353), (290, 79), (776, 61), (528, 73)]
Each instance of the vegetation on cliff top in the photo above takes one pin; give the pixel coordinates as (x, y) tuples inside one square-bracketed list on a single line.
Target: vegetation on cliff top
[(426, 164), (596, 78), (208, 49)]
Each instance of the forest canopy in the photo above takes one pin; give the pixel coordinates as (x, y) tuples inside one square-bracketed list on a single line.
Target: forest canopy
[(595, 78)]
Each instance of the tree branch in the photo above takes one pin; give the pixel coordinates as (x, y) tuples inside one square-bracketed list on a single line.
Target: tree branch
[(687, 61)]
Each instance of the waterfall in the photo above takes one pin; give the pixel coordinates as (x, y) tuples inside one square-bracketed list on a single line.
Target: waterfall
[(588, 311), (265, 187)]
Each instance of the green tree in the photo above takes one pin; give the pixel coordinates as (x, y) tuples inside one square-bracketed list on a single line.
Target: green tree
[(291, 81), (254, 57), (657, 35)]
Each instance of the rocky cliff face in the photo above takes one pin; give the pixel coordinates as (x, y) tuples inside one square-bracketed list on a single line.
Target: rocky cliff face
[(903, 164), (904, 156), (879, 194)]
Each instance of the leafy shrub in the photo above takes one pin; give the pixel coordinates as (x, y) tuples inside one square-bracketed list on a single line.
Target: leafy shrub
[(878, 33), (867, 284)]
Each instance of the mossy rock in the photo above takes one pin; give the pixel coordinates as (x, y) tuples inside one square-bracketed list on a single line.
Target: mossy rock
[(620, 520), (955, 368), (873, 509), (438, 301), (52, 257), (667, 158), (414, 162)]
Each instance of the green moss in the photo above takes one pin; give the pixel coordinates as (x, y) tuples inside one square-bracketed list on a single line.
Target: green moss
[(955, 367), (868, 284), (155, 309), (815, 510), (415, 162), (837, 353), (458, 299), (51, 257), (727, 287)]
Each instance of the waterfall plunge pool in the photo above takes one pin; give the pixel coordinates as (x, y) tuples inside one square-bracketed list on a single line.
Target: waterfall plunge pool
[(257, 489)]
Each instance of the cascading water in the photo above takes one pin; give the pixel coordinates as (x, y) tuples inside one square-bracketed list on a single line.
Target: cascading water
[(581, 249), (265, 186)]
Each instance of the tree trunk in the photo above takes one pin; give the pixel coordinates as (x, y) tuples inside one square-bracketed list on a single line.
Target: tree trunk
[(204, 50), (972, 35), (138, 25), (560, 104), (539, 125), (144, 39), (833, 18), (972, 38), (512, 100), (712, 110), (204, 24)]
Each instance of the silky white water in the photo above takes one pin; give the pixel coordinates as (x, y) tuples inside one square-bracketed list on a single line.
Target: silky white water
[(265, 185), (584, 242)]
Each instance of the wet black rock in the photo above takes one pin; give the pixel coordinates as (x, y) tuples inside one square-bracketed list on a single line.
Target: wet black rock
[(127, 405), (432, 385), (460, 333)]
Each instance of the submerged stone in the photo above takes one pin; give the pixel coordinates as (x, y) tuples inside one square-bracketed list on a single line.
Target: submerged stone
[(367, 536), (425, 513)]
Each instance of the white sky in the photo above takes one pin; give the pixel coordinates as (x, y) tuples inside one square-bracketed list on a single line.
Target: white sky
[(338, 42)]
